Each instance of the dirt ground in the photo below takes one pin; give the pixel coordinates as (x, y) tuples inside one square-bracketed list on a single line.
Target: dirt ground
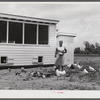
[(74, 80)]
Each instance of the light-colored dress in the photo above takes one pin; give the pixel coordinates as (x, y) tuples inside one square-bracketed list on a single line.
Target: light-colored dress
[(60, 56)]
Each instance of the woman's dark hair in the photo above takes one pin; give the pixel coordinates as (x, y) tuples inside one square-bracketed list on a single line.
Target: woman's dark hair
[(60, 41)]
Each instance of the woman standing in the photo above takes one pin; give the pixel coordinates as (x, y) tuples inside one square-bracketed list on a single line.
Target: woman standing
[(60, 51)]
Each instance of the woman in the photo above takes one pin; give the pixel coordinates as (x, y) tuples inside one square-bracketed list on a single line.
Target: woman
[(60, 51)]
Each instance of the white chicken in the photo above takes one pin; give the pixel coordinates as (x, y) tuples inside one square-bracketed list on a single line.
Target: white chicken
[(69, 65), (32, 73), (60, 73), (79, 66), (85, 71), (43, 76), (75, 64), (54, 67), (91, 69)]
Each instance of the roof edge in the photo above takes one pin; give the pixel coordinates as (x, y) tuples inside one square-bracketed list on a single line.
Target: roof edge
[(66, 34), (36, 18)]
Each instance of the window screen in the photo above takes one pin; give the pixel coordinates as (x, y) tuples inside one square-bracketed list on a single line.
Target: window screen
[(43, 34), (3, 31), (30, 33), (15, 32)]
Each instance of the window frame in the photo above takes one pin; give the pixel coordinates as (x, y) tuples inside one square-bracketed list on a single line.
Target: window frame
[(6, 33), (23, 33), (48, 34)]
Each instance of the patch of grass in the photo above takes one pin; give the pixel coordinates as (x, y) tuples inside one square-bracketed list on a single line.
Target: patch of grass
[(88, 61)]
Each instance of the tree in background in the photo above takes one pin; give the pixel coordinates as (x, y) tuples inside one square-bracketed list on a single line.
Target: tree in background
[(89, 48), (92, 46), (77, 50), (97, 48)]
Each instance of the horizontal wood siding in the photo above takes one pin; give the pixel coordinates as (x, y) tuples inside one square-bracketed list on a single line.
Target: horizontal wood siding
[(24, 55)]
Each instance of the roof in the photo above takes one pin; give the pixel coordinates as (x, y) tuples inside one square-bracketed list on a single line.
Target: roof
[(66, 34), (24, 18)]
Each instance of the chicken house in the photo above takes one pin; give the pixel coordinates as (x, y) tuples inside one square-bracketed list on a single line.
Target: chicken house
[(27, 40)]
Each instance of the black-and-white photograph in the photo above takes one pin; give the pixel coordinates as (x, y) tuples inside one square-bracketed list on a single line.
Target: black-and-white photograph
[(49, 46)]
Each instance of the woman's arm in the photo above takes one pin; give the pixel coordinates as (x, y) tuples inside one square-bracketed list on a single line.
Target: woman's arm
[(65, 50), (56, 52)]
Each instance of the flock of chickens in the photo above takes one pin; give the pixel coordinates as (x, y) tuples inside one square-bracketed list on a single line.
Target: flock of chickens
[(77, 67), (81, 67), (49, 73)]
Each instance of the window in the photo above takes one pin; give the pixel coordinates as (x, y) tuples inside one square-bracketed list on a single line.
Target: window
[(3, 31), (30, 34), (15, 32), (43, 34), (3, 59), (40, 59)]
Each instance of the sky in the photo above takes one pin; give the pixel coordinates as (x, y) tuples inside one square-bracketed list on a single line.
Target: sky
[(82, 19)]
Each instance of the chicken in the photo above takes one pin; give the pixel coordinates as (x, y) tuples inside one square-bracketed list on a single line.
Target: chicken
[(60, 73), (69, 65), (43, 76), (17, 73), (85, 71), (39, 74), (91, 69), (72, 66), (20, 74), (9, 69), (75, 64), (79, 66), (48, 75), (32, 73), (54, 67), (23, 69)]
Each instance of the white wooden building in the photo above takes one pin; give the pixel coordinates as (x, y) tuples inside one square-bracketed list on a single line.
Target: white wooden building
[(28, 40)]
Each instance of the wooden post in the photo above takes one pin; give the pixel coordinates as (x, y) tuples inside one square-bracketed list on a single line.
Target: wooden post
[(37, 33), (7, 38), (23, 32)]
